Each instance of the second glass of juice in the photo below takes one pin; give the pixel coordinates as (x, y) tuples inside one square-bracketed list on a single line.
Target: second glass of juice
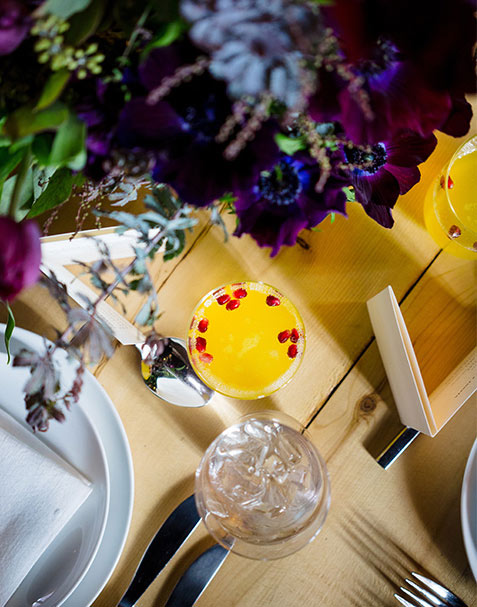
[(450, 207), (246, 340)]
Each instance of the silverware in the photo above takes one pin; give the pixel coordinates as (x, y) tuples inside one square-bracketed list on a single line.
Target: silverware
[(166, 371), (180, 524), (196, 579), (429, 594), (399, 443)]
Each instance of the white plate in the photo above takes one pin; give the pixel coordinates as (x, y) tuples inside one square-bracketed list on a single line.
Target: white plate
[(468, 509), (96, 407)]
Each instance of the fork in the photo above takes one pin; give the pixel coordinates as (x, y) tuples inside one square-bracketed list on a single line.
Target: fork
[(435, 595)]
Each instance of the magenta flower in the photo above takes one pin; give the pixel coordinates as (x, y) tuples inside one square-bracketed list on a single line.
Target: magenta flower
[(20, 256), (15, 22)]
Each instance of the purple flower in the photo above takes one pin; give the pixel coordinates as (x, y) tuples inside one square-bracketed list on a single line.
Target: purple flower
[(181, 131), (283, 201), (438, 37), (20, 256), (390, 169), (398, 98), (15, 22)]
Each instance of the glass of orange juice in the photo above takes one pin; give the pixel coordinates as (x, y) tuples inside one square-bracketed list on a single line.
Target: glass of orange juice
[(246, 340), (450, 207)]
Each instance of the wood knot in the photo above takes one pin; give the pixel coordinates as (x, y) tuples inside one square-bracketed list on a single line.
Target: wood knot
[(367, 405)]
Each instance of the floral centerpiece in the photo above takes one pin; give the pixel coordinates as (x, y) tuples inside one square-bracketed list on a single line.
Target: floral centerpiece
[(283, 111)]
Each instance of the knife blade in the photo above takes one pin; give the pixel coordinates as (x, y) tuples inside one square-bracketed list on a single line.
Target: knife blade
[(180, 524), (196, 579)]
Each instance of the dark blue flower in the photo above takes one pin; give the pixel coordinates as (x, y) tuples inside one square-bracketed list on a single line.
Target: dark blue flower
[(283, 201), (389, 169)]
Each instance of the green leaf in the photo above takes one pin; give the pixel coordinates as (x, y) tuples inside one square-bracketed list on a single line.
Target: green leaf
[(290, 145), (69, 144), (174, 245), (170, 32), (41, 148), (53, 88), (58, 190), (6, 195), (350, 193), (333, 217), (9, 330), (64, 8), (25, 121), (41, 178), (8, 162), (85, 23)]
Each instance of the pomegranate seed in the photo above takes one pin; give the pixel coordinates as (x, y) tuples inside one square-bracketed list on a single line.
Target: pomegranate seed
[(203, 324), (240, 293), (206, 357), (200, 344), (294, 336), (223, 299), (273, 301), (454, 232), (292, 351), (233, 304), (450, 183), (283, 336)]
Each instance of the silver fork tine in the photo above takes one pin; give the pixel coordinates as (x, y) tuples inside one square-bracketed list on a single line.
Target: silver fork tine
[(425, 593), (403, 601), (418, 600), (440, 590)]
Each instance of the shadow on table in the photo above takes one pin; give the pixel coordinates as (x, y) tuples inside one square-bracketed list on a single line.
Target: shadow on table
[(436, 463)]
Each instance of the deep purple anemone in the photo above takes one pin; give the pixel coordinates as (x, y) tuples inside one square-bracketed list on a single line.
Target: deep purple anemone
[(438, 37), (388, 170), (398, 99), (283, 201), (181, 130)]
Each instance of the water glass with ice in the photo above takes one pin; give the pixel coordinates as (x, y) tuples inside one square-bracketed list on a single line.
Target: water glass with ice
[(262, 488)]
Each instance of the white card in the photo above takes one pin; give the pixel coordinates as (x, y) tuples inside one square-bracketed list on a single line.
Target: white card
[(428, 414)]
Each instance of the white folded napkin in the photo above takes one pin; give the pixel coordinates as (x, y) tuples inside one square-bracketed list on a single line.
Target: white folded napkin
[(39, 493)]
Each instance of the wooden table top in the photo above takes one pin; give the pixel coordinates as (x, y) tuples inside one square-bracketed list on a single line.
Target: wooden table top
[(381, 524)]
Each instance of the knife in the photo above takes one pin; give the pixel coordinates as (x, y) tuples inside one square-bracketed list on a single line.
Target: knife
[(196, 579), (180, 524)]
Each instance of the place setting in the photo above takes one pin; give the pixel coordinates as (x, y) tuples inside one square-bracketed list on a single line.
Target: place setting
[(237, 302)]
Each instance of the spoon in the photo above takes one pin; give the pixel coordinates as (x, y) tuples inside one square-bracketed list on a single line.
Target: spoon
[(165, 365)]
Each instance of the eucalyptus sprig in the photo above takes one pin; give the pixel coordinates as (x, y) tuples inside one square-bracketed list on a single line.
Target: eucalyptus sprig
[(161, 228)]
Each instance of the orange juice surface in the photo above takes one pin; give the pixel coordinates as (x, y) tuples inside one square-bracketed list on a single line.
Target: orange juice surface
[(450, 208), (463, 194), (246, 340)]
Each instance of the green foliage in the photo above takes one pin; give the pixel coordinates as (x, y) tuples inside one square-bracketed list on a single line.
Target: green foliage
[(64, 8), (53, 88), (85, 23), (26, 121), (290, 145), (58, 190), (168, 34), (350, 193), (69, 144), (8, 162)]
